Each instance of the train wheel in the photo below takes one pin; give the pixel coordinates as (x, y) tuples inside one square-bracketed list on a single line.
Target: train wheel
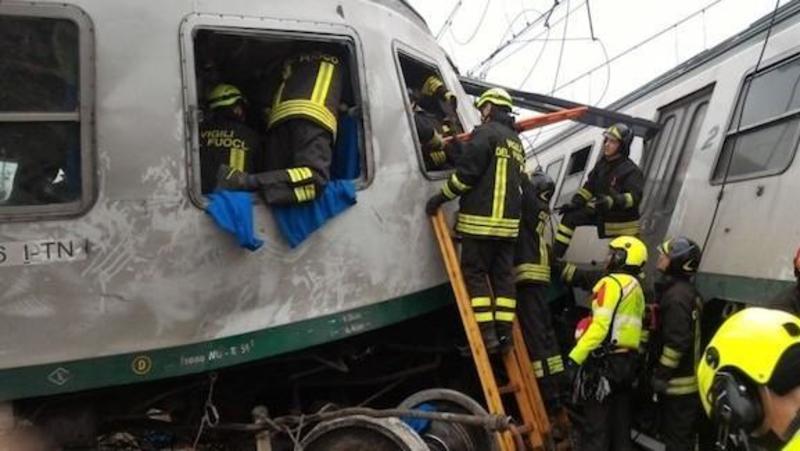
[(360, 433)]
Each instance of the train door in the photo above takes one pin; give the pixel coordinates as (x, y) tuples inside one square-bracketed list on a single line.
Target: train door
[(667, 159)]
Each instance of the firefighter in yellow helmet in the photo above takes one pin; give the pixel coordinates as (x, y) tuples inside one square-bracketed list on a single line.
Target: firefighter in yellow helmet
[(749, 378), (603, 363), (225, 139), (301, 129), (609, 199), (487, 179)]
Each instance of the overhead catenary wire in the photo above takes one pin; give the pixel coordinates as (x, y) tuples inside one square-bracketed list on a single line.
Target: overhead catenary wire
[(490, 62), (449, 20), (475, 30), (738, 126), (640, 44), (493, 54)]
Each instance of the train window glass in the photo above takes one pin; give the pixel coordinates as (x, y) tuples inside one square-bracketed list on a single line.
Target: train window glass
[(431, 109), (255, 63), (43, 141), (554, 169), (682, 158), (656, 161), (572, 180), (765, 141)]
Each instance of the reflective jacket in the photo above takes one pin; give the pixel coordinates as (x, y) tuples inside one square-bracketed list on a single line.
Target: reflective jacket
[(487, 178), (617, 311), (430, 131), (623, 181), (532, 256), (225, 141), (311, 88), (680, 307), (793, 444)]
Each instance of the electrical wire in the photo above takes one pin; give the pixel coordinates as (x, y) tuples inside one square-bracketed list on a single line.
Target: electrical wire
[(513, 38), (489, 62), (641, 43), (475, 31), (738, 126)]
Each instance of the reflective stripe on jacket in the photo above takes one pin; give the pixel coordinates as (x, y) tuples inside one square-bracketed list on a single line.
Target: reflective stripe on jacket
[(487, 178), (626, 330), (311, 89)]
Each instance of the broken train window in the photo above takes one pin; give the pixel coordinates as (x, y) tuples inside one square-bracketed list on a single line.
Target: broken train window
[(433, 111), (45, 109), (282, 105)]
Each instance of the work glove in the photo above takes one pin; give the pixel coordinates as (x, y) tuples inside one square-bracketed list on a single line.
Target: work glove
[(659, 385), (601, 203), (434, 203), (577, 201), (566, 208), (233, 179)]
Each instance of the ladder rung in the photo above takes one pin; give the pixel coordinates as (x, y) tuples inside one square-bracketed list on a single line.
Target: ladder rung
[(525, 428), (509, 388)]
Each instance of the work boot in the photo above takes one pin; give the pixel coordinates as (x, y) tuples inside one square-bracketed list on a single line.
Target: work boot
[(489, 336), (233, 179), (505, 338)]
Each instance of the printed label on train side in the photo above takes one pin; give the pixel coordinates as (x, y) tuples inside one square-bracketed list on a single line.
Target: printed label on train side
[(23, 253)]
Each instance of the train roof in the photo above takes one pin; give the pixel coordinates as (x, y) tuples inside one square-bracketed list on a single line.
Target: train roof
[(759, 26), (404, 8)]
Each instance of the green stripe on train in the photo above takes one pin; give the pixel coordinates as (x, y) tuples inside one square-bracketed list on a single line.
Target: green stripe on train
[(64, 377)]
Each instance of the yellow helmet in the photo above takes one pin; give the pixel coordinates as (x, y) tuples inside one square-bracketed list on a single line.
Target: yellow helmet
[(751, 342), (627, 251), (495, 96), (224, 95), (431, 85)]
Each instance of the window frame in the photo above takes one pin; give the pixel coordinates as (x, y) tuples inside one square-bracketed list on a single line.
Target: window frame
[(399, 47), (775, 63), (590, 145), (84, 115), (557, 178), (267, 27)]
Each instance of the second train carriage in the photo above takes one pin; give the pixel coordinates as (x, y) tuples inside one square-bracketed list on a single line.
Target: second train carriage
[(751, 236)]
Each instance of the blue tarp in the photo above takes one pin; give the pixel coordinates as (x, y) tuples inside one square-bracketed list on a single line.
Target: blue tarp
[(297, 222), (233, 213), (346, 164)]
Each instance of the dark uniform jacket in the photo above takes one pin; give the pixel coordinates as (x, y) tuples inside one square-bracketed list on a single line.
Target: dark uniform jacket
[(787, 300), (532, 256), (487, 177), (679, 334), (225, 141), (623, 181), (430, 133), (311, 88)]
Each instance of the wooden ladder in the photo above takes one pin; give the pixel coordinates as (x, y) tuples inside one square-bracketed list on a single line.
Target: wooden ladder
[(535, 425), (522, 384)]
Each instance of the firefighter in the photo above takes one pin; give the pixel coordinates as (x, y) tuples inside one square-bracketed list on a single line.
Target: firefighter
[(436, 99), (301, 129), (429, 131), (603, 363), (680, 307), (532, 266), (225, 140), (610, 197), (789, 299), (749, 378), (487, 178)]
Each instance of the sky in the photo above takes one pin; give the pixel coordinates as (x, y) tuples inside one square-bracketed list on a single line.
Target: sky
[(557, 59)]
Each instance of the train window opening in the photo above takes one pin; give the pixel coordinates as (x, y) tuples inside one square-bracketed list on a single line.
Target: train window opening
[(578, 160), (254, 66), (764, 131), (45, 110), (679, 163), (574, 175), (432, 110), (554, 169), (655, 163)]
